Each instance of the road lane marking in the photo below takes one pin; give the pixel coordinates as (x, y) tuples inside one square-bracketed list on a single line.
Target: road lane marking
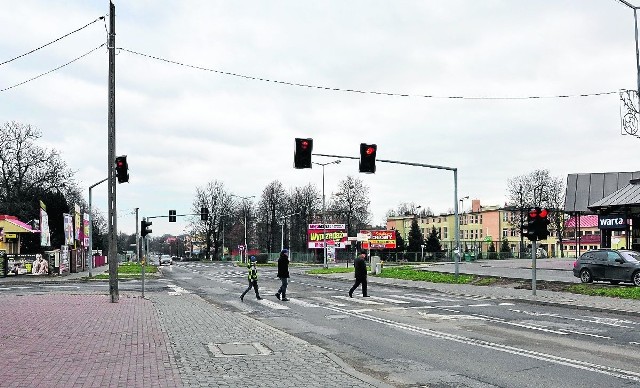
[(423, 300), (568, 362)]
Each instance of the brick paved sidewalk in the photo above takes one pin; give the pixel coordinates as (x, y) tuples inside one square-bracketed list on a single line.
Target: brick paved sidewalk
[(65, 340)]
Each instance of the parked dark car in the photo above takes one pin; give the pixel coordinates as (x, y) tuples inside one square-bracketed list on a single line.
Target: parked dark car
[(611, 265)]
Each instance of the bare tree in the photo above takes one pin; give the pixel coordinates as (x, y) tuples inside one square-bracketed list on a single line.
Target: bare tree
[(304, 201), (28, 170), (409, 209), (538, 188), (351, 205), (273, 204), (218, 200)]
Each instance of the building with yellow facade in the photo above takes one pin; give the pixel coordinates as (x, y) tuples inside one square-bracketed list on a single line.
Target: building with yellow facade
[(479, 228)]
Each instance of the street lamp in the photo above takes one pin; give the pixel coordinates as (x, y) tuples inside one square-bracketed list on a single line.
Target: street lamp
[(635, 18), (244, 210), (324, 224), (282, 218), (91, 227)]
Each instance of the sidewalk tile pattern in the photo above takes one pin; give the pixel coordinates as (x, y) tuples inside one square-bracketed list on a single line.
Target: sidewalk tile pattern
[(64, 340)]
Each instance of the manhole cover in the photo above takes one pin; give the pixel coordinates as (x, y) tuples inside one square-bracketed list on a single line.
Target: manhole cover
[(238, 349)]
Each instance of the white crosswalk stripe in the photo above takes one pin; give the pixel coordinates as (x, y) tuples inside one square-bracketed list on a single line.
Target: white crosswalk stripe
[(357, 300), (396, 301)]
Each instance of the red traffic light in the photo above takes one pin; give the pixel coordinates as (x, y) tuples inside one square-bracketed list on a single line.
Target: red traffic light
[(543, 213), (370, 150), (304, 144), (533, 213)]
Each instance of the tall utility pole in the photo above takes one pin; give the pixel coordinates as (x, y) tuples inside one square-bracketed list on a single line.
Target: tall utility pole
[(111, 158)]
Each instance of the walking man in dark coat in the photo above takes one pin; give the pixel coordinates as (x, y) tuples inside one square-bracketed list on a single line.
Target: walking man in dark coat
[(283, 274), (360, 267)]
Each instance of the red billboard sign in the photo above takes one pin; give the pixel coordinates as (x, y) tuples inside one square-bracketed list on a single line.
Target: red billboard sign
[(379, 239)]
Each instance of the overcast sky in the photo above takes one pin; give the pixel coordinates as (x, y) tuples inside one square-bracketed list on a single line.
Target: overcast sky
[(182, 127)]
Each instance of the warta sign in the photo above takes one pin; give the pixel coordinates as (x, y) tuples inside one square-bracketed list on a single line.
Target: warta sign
[(612, 222)]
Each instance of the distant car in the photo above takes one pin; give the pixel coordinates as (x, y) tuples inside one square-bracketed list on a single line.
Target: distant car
[(166, 259), (611, 265)]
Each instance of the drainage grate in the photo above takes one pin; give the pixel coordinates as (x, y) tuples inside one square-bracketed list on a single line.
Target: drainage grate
[(238, 349)]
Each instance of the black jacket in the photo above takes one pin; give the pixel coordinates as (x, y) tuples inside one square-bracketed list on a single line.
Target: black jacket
[(360, 267), (283, 266)]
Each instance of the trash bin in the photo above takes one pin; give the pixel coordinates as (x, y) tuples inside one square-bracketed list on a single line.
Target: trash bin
[(467, 256)]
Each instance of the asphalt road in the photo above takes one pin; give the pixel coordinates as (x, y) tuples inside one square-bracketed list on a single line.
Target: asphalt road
[(409, 337)]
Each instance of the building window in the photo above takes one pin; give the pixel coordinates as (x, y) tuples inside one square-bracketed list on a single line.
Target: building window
[(505, 232), (445, 234)]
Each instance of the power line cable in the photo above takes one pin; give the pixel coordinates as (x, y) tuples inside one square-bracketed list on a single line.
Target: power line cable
[(52, 70), (362, 91), (53, 41)]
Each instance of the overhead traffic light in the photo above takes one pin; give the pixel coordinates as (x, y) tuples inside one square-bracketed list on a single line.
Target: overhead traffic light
[(368, 158), (302, 153), (530, 226), (122, 169), (542, 223), (172, 216), (144, 227), (204, 214)]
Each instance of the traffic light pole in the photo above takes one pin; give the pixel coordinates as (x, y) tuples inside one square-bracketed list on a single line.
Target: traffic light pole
[(533, 266), (457, 252), (111, 157)]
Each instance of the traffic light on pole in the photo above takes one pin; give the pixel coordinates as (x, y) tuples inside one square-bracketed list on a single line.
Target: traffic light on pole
[(530, 226), (542, 223), (368, 158), (302, 153), (172, 216), (122, 169), (204, 214), (144, 227)]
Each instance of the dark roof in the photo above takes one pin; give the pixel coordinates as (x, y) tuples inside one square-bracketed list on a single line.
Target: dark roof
[(626, 196), (586, 189)]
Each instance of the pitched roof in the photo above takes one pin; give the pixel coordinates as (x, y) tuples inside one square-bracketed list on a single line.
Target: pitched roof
[(628, 195), (586, 189), (19, 226), (589, 221)]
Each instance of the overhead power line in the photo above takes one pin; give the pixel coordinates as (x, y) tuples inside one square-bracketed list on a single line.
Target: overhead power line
[(53, 41), (52, 70), (334, 89)]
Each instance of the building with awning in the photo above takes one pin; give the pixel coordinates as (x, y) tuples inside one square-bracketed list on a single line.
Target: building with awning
[(615, 198), (11, 229)]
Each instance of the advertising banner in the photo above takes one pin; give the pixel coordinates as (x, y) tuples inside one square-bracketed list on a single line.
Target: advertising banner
[(68, 228), (380, 239), (76, 222), (85, 229), (336, 235), (45, 236)]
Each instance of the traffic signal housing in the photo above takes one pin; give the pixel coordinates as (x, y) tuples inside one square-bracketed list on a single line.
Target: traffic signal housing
[(368, 158), (302, 153), (172, 216), (144, 227), (122, 169), (204, 214), (542, 224), (530, 225)]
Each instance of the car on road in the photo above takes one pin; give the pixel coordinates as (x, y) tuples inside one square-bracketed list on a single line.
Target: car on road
[(613, 265), (166, 259)]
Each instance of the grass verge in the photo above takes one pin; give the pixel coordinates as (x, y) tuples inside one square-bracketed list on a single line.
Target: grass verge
[(130, 271), (623, 292)]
